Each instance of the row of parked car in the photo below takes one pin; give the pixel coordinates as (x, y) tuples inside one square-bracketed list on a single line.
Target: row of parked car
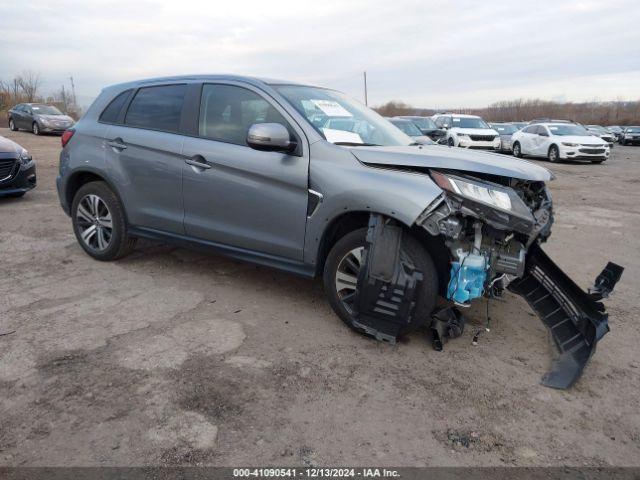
[(553, 139)]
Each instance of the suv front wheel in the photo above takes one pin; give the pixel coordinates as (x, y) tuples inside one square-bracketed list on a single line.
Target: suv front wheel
[(343, 265), (99, 222)]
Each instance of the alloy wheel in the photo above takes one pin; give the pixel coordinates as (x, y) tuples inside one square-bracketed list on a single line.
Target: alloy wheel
[(94, 222), (36, 129), (347, 277)]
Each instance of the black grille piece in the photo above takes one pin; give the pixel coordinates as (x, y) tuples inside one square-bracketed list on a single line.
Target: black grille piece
[(576, 320), (6, 168), (482, 138), (592, 150)]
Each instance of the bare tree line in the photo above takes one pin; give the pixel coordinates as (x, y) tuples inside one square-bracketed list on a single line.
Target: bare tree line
[(27, 88), (618, 112)]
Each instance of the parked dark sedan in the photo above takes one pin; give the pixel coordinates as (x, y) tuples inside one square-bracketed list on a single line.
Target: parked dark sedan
[(38, 118), (630, 135), (426, 126), (411, 129), (17, 169)]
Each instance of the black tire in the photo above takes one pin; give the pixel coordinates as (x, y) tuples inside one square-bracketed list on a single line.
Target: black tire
[(553, 154), (120, 243), (35, 128), (12, 125), (517, 150), (450, 142), (419, 256)]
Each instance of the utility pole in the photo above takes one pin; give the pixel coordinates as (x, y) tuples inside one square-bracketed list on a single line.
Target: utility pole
[(73, 91), (366, 100)]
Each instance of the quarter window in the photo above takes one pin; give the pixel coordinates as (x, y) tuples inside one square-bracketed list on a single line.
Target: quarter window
[(111, 113), (227, 112), (157, 108)]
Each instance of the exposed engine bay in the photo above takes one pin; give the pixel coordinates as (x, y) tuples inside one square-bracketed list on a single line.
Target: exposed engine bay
[(492, 228)]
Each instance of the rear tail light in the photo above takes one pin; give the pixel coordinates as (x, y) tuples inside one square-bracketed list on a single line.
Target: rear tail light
[(66, 136)]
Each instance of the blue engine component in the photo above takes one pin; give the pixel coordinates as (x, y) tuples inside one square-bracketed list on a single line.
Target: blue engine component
[(468, 277)]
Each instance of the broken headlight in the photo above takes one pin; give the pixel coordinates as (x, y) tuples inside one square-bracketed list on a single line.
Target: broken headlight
[(486, 193)]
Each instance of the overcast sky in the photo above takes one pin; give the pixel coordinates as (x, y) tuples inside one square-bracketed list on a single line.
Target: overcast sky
[(426, 53)]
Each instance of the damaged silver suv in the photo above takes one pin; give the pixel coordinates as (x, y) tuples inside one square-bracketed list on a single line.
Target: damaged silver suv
[(304, 179)]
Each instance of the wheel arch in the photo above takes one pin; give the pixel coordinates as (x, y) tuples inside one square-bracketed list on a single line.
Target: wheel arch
[(81, 177), (353, 220)]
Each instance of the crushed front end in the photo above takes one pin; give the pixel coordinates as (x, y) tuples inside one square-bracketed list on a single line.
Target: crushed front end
[(493, 228)]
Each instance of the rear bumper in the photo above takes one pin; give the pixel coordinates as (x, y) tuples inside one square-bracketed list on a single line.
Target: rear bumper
[(23, 181)]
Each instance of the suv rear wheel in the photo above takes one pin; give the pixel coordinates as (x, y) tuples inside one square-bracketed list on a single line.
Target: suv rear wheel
[(343, 265), (99, 222)]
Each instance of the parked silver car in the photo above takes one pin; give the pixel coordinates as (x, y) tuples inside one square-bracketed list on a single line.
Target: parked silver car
[(38, 118), (304, 179)]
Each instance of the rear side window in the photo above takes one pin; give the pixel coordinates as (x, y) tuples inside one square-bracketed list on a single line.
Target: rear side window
[(111, 113), (157, 108)]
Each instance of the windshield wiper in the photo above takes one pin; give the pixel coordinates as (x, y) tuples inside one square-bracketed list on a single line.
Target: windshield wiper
[(356, 144)]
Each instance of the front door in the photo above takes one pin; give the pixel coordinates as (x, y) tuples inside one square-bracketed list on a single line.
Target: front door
[(235, 195)]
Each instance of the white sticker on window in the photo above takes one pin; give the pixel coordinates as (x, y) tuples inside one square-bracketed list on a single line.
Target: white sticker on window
[(35, 108), (553, 128), (334, 136), (456, 119), (331, 108)]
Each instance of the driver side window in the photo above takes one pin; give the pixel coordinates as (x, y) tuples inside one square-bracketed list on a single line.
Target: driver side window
[(228, 111)]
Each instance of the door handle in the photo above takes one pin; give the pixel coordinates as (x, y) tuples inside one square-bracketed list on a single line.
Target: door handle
[(117, 144), (198, 164)]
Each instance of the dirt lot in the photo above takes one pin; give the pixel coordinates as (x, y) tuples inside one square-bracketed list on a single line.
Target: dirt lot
[(174, 357)]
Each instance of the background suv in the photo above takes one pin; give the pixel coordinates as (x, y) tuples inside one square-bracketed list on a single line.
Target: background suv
[(559, 141), (38, 118), (467, 131)]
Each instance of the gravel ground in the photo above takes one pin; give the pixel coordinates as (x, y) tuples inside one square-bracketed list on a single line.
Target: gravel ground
[(170, 357)]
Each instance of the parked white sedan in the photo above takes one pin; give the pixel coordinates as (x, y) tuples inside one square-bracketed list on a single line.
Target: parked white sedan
[(559, 141)]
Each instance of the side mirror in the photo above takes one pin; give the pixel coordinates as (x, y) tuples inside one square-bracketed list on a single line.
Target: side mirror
[(271, 137)]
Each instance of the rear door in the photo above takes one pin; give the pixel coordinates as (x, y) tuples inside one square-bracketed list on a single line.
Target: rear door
[(526, 140), (540, 141), (22, 122), (143, 156), (235, 195)]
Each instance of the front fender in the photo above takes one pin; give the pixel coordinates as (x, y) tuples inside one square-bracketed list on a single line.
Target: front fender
[(346, 185)]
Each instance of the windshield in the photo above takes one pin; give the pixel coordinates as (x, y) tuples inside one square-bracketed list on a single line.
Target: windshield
[(468, 122), (341, 120), (424, 123), (504, 128), (632, 130), (407, 127), (597, 129), (45, 110), (565, 130)]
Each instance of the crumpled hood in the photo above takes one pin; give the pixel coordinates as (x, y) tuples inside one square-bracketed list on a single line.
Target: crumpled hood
[(9, 148), (452, 158)]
